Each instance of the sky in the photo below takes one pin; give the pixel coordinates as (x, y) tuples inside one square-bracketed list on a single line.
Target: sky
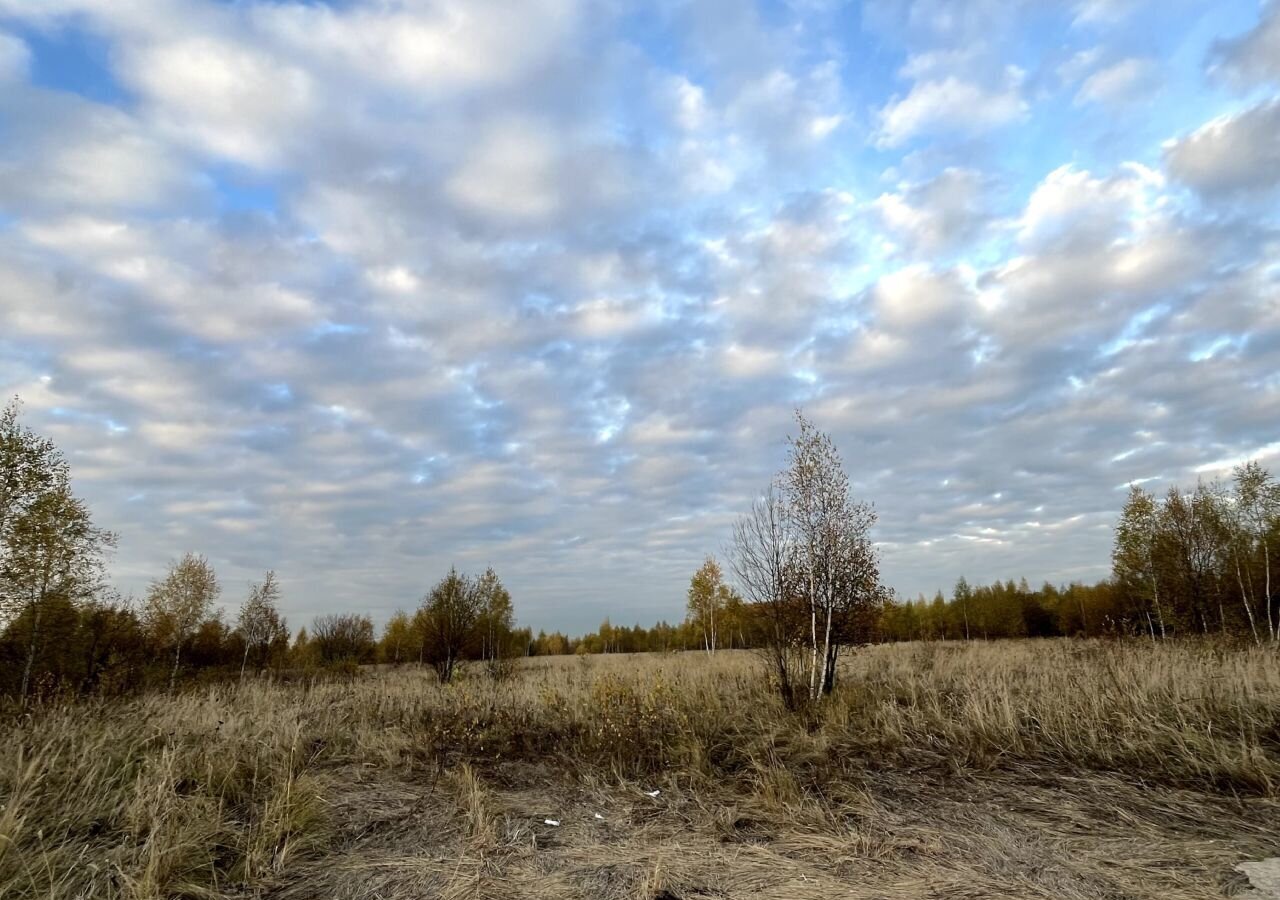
[(361, 290)]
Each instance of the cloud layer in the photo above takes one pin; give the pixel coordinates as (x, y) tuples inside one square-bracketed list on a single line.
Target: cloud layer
[(359, 291)]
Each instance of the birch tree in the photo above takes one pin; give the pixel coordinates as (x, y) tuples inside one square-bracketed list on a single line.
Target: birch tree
[(707, 598), (1133, 559), (49, 547), (837, 561), (179, 602), (1257, 502), (805, 553), (259, 622), (760, 556)]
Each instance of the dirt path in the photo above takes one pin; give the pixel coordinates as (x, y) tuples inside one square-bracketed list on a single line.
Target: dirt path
[(462, 835)]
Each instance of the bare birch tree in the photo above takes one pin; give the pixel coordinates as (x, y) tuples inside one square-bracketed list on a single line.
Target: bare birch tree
[(759, 555), (259, 622)]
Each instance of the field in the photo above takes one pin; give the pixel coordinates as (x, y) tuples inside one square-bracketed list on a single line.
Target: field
[(1055, 769)]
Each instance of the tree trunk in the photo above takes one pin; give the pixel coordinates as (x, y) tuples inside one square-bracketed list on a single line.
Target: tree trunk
[(1155, 593), (829, 654), (173, 674), (1248, 607), (1273, 627), (813, 636), (36, 609), (244, 662), (828, 676)]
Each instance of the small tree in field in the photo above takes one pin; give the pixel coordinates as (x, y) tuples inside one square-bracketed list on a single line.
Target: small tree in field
[(496, 625), (708, 599), (343, 639), (835, 560), (447, 622), (805, 553), (259, 623), (761, 557), (178, 603)]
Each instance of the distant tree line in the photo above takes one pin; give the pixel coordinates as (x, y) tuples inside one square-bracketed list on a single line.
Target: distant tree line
[(63, 631), (805, 583), (1005, 610)]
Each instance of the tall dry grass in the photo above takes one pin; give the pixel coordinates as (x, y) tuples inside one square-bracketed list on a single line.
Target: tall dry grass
[(214, 791)]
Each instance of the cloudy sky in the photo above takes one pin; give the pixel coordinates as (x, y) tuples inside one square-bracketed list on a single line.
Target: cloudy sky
[(360, 290)]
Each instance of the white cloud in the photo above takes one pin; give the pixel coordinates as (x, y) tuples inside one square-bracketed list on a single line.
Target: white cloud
[(1117, 83), (512, 173), (77, 154), (1103, 12), (15, 58), (1254, 57), (1231, 154), (950, 105), (437, 47), (938, 215), (1072, 206), (227, 98), (917, 298)]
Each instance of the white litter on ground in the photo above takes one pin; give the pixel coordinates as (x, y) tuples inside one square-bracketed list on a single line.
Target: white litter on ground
[(652, 793), (600, 817), (1264, 875), (554, 822)]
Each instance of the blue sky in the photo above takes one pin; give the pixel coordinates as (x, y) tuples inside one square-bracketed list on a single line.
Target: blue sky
[(358, 291)]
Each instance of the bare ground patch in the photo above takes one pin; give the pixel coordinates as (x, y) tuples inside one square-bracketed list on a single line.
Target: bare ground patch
[(456, 834)]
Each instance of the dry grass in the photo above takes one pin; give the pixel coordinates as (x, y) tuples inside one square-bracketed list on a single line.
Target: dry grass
[(1032, 769)]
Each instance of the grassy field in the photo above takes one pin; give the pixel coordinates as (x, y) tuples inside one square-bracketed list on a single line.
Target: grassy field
[(1053, 769)]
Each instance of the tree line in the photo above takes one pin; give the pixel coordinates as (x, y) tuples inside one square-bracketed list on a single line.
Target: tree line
[(801, 584), (63, 630)]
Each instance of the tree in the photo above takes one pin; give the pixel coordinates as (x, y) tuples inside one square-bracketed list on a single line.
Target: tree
[(343, 639), (397, 637), (760, 556), (49, 546), (259, 622), (447, 621), (496, 625), (836, 559), (1133, 560), (1189, 548), (962, 596), (179, 602), (1257, 504), (707, 599)]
